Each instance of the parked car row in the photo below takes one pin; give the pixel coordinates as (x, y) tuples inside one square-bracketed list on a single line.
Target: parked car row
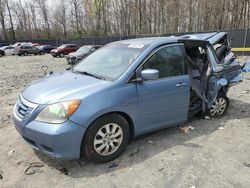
[(73, 52), (21, 48)]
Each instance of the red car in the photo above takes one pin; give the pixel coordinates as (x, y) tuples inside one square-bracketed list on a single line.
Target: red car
[(64, 49)]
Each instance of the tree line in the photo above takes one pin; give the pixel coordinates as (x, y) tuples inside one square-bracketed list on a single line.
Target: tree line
[(57, 19)]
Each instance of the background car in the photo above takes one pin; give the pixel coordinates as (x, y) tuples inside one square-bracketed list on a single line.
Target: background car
[(3, 44), (46, 48), (26, 50), (81, 53), (64, 49), (8, 50), (2, 53)]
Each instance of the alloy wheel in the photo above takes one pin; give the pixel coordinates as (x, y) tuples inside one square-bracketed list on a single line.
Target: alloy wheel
[(219, 107), (108, 139)]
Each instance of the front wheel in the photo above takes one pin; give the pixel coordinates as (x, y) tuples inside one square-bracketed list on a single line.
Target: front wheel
[(220, 106), (106, 138), (61, 55)]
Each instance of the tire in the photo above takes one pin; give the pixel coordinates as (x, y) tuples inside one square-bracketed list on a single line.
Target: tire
[(61, 55), (41, 53), (220, 107), (25, 53), (99, 148), (1, 55)]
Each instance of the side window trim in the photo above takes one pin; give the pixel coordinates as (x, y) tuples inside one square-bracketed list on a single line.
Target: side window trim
[(139, 68), (158, 49)]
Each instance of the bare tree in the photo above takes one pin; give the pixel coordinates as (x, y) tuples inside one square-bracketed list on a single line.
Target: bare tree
[(77, 18), (2, 18), (11, 22), (60, 16), (42, 4)]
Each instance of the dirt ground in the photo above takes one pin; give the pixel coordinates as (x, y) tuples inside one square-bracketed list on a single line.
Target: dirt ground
[(215, 154)]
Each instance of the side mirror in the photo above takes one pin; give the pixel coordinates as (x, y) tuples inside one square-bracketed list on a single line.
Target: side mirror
[(149, 74), (222, 82)]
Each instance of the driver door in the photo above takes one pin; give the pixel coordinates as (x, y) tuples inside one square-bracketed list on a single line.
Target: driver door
[(165, 101)]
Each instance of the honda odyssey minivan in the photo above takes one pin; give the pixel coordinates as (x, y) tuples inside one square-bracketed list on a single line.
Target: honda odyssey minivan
[(125, 89)]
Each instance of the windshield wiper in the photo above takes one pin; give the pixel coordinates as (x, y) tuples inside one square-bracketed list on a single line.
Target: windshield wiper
[(89, 74)]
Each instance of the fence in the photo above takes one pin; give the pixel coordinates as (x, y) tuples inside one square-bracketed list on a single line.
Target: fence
[(240, 40)]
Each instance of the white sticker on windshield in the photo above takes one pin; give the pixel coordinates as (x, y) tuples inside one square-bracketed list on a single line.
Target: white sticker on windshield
[(136, 46)]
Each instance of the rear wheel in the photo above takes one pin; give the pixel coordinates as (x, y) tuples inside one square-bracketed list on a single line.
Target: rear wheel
[(1, 55), (220, 106), (25, 53), (106, 138), (41, 53)]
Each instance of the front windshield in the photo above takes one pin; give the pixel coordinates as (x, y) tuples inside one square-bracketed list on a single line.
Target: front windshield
[(84, 49), (110, 61), (62, 46)]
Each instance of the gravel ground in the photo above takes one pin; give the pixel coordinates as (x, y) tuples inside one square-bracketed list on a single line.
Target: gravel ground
[(215, 154)]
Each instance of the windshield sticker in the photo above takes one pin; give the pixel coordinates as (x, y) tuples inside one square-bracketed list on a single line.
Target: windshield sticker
[(136, 46)]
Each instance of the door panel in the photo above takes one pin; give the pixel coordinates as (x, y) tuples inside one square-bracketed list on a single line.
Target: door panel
[(8, 52), (164, 102)]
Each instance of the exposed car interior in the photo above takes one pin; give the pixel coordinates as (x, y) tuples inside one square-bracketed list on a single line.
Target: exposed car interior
[(198, 71), (221, 48)]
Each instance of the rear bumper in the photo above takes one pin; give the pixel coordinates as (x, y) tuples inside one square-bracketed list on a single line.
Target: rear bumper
[(60, 141)]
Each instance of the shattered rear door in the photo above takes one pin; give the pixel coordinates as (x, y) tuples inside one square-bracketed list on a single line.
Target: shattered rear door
[(231, 71)]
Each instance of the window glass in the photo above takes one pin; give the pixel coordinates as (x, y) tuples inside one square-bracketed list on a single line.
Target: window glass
[(71, 46), (168, 61), (111, 61), (62, 46)]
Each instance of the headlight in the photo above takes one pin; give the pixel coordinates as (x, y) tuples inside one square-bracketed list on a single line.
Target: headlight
[(58, 112)]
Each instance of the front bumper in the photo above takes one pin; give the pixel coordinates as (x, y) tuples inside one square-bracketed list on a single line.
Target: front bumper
[(73, 59), (54, 53), (60, 141)]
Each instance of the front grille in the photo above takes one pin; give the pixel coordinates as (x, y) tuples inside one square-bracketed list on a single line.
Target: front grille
[(24, 108)]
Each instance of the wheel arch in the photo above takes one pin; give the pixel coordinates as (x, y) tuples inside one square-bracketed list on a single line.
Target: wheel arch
[(124, 115)]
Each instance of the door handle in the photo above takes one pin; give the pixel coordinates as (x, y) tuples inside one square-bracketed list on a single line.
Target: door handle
[(181, 84)]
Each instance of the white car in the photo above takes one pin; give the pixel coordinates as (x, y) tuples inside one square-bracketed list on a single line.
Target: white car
[(9, 50)]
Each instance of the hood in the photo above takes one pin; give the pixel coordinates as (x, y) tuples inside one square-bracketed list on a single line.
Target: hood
[(62, 87), (78, 54), (54, 50)]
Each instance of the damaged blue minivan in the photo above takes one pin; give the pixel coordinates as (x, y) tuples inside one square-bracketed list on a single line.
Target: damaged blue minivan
[(125, 89)]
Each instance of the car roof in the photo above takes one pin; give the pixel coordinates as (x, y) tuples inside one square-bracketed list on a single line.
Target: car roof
[(206, 37), (148, 40), (210, 37)]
